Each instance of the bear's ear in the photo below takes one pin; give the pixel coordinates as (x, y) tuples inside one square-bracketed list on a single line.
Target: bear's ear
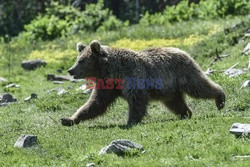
[(80, 47), (95, 46)]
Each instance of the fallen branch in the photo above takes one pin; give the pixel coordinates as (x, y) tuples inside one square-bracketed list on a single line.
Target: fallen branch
[(232, 66), (218, 57), (53, 119), (229, 68)]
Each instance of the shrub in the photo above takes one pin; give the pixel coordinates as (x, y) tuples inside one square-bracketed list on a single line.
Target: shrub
[(206, 9), (61, 20), (112, 24), (45, 27)]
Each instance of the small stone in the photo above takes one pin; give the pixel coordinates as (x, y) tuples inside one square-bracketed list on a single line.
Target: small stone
[(26, 140), (239, 129), (232, 72), (58, 82), (32, 96), (8, 98), (76, 80), (83, 87), (247, 34), (59, 70), (52, 77), (87, 91), (241, 157), (33, 64), (62, 92), (53, 90), (90, 165), (3, 79), (246, 50), (246, 84), (3, 104), (120, 146), (12, 85)]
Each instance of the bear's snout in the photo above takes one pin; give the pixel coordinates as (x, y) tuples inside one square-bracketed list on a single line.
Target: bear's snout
[(71, 71)]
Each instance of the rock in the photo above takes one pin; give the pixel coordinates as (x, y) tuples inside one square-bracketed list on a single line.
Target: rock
[(32, 96), (52, 77), (120, 146), (26, 141), (62, 92), (90, 165), (247, 34), (54, 90), (87, 91), (232, 72), (59, 70), (12, 85), (58, 82), (246, 84), (246, 50), (8, 98), (59, 91), (241, 157), (76, 80), (83, 87), (239, 129), (3, 79), (70, 87), (3, 104), (33, 64)]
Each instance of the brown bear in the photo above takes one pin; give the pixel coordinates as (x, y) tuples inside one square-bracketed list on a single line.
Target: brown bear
[(172, 71)]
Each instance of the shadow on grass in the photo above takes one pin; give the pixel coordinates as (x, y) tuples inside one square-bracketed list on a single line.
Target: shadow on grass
[(110, 126), (129, 126)]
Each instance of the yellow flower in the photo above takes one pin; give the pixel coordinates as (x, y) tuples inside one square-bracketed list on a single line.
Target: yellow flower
[(140, 44), (52, 56)]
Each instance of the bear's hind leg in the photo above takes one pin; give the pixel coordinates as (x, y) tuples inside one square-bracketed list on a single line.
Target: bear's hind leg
[(203, 87), (178, 106)]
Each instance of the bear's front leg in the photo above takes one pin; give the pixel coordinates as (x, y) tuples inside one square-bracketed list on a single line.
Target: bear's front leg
[(67, 121), (96, 105), (137, 110)]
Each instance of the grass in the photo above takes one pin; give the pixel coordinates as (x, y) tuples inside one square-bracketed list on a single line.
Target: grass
[(203, 140)]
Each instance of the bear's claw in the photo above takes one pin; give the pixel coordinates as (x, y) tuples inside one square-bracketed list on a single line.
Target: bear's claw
[(67, 122)]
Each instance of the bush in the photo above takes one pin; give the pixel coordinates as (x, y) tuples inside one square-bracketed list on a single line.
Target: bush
[(61, 20), (206, 9), (47, 28), (112, 24)]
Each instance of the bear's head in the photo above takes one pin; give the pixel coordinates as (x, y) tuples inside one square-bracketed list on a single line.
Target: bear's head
[(87, 61)]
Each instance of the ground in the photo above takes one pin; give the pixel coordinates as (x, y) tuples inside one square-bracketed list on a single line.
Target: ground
[(203, 140)]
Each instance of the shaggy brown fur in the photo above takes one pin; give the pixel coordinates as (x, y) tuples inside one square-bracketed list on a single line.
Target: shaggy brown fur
[(179, 72)]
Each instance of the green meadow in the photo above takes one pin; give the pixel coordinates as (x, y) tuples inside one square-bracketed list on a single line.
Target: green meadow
[(203, 140)]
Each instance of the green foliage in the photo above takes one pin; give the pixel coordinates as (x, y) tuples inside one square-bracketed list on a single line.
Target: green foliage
[(112, 23), (61, 20), (206, 9), (221, 8), (47, 27)]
